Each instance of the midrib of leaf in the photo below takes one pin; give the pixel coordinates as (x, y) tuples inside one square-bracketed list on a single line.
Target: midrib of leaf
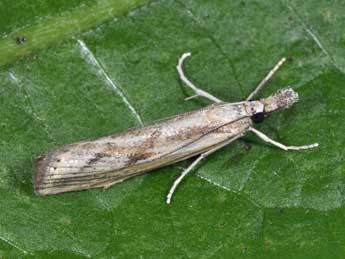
[(56, 29)]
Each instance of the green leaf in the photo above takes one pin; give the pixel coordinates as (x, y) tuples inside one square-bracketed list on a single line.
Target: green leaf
[(239, 203)]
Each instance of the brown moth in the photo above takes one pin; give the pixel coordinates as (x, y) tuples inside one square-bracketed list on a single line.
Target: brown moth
[(109, 160)]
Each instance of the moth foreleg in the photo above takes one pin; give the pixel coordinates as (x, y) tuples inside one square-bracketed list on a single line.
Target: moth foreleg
[(198, 92), (266, 79), (201, 157), (280, 145)]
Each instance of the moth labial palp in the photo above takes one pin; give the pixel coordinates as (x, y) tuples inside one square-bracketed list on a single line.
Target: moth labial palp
[(103, 162)]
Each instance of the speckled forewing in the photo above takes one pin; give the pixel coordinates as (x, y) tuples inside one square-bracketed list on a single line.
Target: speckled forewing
[(111, 159)]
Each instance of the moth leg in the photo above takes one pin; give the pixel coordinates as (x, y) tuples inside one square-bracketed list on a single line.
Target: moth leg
[(280, 145), (196, 161), (267, 78), (198, 92)]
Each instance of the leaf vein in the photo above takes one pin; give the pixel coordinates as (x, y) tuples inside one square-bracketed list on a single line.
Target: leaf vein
[(12, 244), (90, 57)]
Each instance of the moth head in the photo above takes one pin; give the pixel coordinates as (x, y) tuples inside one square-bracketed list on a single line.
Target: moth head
[(282, 99), (256, 111)]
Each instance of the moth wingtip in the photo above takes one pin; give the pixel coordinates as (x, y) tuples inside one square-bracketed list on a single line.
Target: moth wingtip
[(38, 173)]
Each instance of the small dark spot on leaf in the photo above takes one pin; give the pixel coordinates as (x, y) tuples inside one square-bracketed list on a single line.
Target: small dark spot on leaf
[(290, 18), (290, 58), (20, 40)]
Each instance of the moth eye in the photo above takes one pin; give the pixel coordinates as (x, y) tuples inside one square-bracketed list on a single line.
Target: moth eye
[(258, 117)]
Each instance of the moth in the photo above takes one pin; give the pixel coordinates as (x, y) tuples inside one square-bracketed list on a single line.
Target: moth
[(112, 159)]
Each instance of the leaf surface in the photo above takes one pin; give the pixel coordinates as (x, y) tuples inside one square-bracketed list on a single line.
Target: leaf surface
[(99, 75)]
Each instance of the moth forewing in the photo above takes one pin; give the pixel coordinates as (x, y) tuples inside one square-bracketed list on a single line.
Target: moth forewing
[(104, 161)]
